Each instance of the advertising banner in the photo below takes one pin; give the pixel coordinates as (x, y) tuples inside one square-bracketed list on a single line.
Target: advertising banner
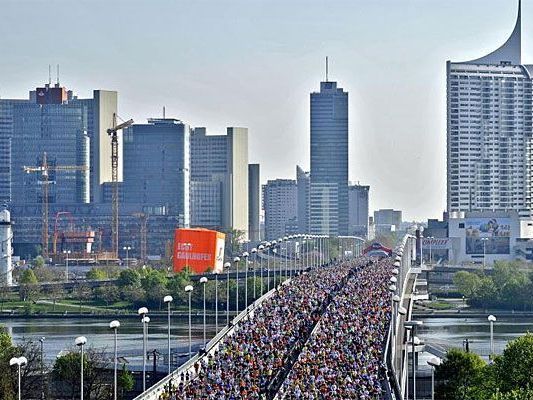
[(201, 250), (435, 244), (488, 235)]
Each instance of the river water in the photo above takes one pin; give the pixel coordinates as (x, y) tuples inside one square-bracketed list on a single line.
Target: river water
[(60, 334), (451, 332)]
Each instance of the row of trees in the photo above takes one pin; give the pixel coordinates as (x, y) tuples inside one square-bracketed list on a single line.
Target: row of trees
[(63, 379), (466, 376), (508, 287)]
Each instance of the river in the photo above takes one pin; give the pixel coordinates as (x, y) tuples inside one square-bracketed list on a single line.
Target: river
[(60, 334)]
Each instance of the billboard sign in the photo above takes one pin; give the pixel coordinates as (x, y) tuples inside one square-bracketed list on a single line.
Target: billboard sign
[(488, 235), (201, 250), (435, 244)]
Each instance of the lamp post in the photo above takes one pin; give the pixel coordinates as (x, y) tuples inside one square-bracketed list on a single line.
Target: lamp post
[(236, 261), (254, 267), (66, 252), (168, 300), (421, 252), (216, 300), (267, 247), (286, 273), (115, 325), (273, 248), (127, 248), (188, 289), (260, 250), (203, 281), (413, 325), (227, 266), (80, 342), (433, 363), (19, 362), (492, 320), (484, 240), (430, 249), (41, 341), (245, 255), (144, 320)]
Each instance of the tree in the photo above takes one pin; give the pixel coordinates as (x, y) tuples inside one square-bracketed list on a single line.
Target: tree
[(129, 277), (96, 274), (459, 376), (28, 285), (519, 394), (67, 371), (38, 261), (125, 381), (467, 283), (108, 293), (514, 366), (154, 284)]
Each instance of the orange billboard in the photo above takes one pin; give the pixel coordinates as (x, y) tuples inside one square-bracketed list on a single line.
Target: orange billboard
[(200, 249)]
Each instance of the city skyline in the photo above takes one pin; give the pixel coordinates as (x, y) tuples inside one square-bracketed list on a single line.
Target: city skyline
[(229, 92)]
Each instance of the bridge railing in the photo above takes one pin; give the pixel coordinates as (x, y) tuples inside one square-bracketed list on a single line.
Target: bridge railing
[(404, 254), (175, 378)]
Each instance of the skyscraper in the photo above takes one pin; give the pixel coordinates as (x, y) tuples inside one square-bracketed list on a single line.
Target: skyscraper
[(219, 179), (254, 202), (303, 181), (280, 198), (358, 210), (329, 160), (70, 130), (157, 167), (489, 131)]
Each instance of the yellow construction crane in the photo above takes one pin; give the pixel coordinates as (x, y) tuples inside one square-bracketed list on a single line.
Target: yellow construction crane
[(113, 132), (44, 169)]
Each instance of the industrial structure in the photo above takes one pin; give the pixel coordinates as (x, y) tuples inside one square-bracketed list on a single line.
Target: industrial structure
[(6, 251)]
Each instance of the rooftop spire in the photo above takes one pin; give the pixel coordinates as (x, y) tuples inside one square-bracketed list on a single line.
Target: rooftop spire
[(511, 50), (326, 68)]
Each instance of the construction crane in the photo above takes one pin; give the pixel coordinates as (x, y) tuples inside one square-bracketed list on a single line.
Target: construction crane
[(45, 170), (143, 219), (113, 133)]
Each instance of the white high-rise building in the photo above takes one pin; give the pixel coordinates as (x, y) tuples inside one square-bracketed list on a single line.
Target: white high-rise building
[(490, 131)]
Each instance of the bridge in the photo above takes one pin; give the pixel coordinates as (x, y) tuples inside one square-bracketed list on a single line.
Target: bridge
[(332, 316)]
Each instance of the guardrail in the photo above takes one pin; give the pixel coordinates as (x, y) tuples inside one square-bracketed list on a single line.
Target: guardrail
[(188, 369)]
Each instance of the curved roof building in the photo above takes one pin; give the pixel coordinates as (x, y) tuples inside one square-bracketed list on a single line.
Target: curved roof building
[(489, 130)]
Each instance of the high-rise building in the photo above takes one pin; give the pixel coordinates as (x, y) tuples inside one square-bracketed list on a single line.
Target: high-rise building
[(219, 180), (489, 131), (70, 130), (329, 160), (387, 220), (254, 202), (358, 210), (280, 203), (157, 167), (303, 181)]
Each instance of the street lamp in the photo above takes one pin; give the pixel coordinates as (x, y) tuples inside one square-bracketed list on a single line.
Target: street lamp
[(236, 261), (80, 342), (127, 248), (413, 325), (144, 320), (188, 289), (286, 273), (267, 247), (254, 267), (168, 300), (245, 255), (66, 252), (19, 362), (115, 325), (227, 266), (433, 363), (216, 300), (484, 240), (203, 281), (492, 320), (41, 341), (273, 247), (259, 251)]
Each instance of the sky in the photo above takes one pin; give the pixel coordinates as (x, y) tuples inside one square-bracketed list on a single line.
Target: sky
[(253, 63)]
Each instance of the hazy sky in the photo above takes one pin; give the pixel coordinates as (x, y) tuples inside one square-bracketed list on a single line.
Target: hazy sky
[(253, 63)]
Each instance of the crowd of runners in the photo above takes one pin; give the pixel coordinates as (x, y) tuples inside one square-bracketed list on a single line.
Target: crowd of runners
[(330, 320)]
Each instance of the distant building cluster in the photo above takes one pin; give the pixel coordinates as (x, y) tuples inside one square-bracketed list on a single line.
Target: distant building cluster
[(56, 165)]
